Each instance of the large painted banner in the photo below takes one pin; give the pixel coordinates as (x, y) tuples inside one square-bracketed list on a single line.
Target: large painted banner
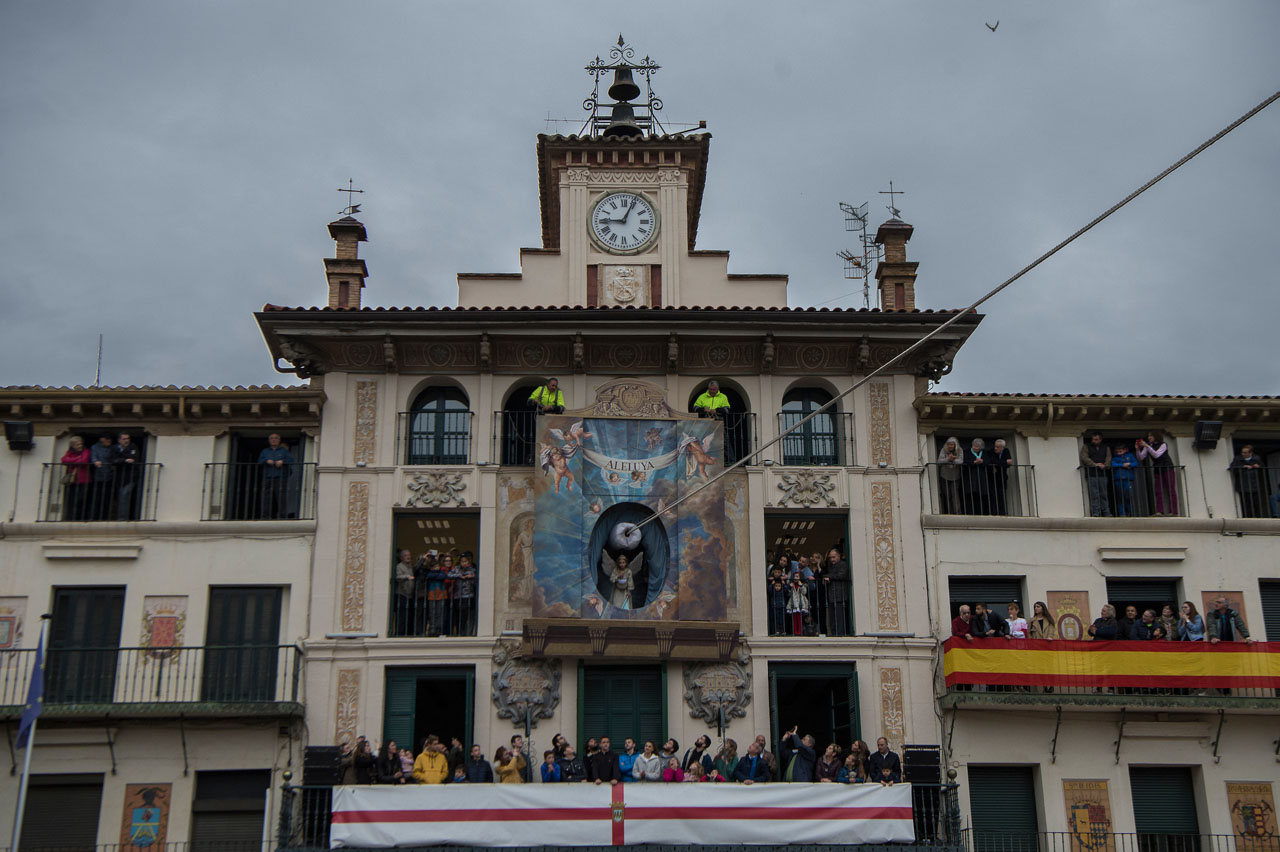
[(627, 814), (1037, 662)]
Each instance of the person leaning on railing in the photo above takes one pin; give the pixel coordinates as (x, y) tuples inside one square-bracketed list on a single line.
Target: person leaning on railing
[(950, 463), (75, 480), (548, 398), (712, 403), (1041, 625), (1190, 623), (1105, 626)]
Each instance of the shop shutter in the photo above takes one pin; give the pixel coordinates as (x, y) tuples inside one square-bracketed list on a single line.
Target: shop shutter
[(228, 809), (1270, 590), (1123, 590), (995, 591), (1002, 808), (62, 812), (1164, 800)]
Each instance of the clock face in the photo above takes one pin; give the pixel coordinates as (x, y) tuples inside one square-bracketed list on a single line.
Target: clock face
[(623, 223)]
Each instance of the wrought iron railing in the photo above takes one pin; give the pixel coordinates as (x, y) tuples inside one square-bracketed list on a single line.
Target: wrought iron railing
[(83, 492), (1140, 492), (228, 674), (1190, 672), (825, 441), (245, 491), (426, 612), (741, 436), (1088, 838), (514, 439), (434, 437), (826, 609), (974, 490), (1257, 491)]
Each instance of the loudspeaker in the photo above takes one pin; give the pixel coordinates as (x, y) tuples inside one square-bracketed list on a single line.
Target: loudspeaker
[(922, 764), (322, 766)]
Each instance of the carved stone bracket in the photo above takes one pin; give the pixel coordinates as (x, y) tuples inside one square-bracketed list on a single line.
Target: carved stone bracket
[(806, 488), (599, 635), (632, 398), (666, 639), (436, 488), (709, 687), (524, 685)]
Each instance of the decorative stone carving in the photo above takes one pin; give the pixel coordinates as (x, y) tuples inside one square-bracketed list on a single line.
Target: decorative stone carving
[(631, 398), (767, 353), (809, 357), (347, 712), (355, 561), (670, 175), (879, 425), (627, 354), (434, 488), (708, 687), (892, 717), (524, 684), (884, 555), (389, 354), (625, 285), (359, 356), (441, 355), (365, 437), (305, 358), (806, 488), (721, 356), (537, 355), (577, 175), (673, 353)]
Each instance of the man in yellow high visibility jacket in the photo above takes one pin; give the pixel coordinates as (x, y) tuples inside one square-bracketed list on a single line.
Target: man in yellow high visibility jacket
[(712, 403), (548, 399)]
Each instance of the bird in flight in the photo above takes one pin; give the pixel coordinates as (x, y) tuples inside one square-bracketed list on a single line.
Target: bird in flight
[(992, 27)]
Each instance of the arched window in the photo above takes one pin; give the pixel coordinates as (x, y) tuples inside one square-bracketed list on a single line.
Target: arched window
[(439, 428), (738, 431), (817, 442), (519, 422)]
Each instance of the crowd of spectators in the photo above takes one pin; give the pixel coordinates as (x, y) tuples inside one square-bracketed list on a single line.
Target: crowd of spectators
[(1129, 479), (974, 481), (808, 595), (796, 760), (101, 483), (1224, 624), (434, 595)]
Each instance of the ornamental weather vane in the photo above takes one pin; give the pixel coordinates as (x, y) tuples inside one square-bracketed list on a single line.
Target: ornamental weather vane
[(621, 120), (350, 190)]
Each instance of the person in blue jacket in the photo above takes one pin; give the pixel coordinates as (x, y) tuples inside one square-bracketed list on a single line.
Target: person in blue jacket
[(1124, 465)]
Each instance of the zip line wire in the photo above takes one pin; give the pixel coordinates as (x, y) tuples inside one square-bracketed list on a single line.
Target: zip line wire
[(972, 308)]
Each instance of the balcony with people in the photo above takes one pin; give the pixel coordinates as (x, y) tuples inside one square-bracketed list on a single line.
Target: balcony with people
[(1131, 476), (1255, 478), (103, 476), (266, 479), (979, 476)]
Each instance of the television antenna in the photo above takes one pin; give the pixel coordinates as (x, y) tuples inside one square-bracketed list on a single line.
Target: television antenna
[(857, 265)]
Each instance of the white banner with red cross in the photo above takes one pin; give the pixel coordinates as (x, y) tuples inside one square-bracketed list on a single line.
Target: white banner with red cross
[(587, 815)]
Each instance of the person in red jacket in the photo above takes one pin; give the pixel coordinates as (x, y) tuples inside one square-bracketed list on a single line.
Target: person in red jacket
[(75, 476), (962, 624)]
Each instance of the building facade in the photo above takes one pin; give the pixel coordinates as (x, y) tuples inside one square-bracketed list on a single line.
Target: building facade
[(176, 578)]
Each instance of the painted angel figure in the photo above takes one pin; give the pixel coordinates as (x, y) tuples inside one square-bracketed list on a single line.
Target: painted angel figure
[(622, 578), (698, 459), (556, 460), (575, 434)]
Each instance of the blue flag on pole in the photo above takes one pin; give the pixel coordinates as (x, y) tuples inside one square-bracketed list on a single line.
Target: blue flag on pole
[(35, 697)]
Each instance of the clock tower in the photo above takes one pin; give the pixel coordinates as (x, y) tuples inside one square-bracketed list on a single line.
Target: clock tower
[(620, 203)]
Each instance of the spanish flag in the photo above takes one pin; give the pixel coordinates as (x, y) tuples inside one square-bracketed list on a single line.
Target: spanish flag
[(1063, 663)]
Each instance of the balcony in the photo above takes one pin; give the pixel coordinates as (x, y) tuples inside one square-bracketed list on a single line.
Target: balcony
[(973, 490), (72, 492), (1158, 674), (1144, 492), (825, 441), (1257, 491), (826, 617), (514, 440), (417, 615), (245, 491), (215, 681), (1090, 839), (428, 437)]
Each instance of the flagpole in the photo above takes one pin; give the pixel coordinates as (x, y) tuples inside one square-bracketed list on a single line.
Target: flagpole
[(31, 742)]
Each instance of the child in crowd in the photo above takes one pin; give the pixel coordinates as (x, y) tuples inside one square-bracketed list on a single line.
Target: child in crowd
[(459, 775), (1017, 624), (673, 772), (1124, 465), (695, 773), (550, 769)]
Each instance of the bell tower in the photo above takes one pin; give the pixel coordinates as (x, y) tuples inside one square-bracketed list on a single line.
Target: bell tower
[(895, 275)]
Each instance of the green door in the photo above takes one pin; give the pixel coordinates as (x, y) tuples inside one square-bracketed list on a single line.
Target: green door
[(621, 701), (1164, 808), (422, 700), (818, 698), (1002, 808)]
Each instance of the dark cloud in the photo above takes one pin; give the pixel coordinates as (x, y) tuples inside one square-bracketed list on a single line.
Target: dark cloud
[(171, 167)]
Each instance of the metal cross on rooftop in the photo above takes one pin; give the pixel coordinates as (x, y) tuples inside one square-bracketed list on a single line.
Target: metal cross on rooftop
[(350, 209), (891, 192)]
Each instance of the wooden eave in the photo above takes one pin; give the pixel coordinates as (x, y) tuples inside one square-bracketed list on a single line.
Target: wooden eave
[(274, 407), (629, 640), (1070, 414)]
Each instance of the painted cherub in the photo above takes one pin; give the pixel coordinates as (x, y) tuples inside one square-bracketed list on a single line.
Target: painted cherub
[(653, 437), (698, 459), (554, 461), (577, 432)]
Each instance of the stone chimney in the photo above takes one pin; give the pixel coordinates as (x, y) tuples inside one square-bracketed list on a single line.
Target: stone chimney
[(895, 276), (345, 270)]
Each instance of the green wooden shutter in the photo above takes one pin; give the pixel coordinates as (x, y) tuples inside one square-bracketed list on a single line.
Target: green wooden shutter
[(1164, 800), (1002, 808), (620, 702), (398, 707), (1270, 590)]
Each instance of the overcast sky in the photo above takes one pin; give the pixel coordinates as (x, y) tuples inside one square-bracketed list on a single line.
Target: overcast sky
[(168, 168)]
